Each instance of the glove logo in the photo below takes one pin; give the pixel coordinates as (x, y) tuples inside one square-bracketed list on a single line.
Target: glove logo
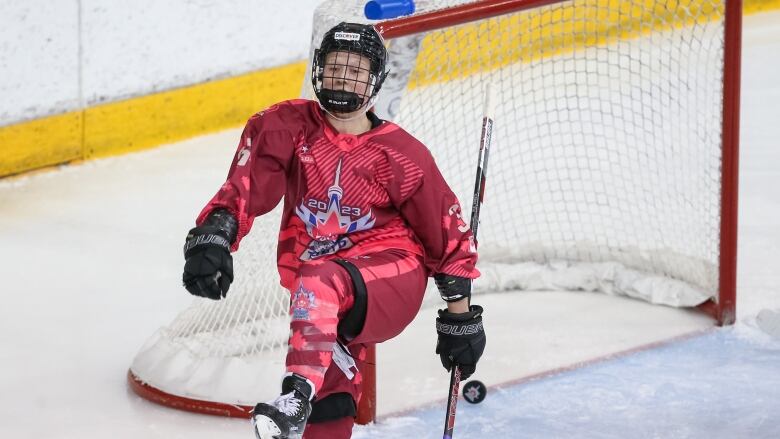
[(471, 329), (204, 240)]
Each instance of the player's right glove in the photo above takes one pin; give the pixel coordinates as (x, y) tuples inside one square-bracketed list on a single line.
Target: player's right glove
[(461, 339), (208, 267)]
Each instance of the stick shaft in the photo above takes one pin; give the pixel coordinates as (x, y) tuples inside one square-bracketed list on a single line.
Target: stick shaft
[(452, 402), (484, 150), (476, 205)]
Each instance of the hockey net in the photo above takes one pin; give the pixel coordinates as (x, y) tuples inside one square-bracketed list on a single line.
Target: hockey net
[(613, 169)]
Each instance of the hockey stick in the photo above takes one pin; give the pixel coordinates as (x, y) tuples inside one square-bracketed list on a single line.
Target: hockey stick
[(476, 204)]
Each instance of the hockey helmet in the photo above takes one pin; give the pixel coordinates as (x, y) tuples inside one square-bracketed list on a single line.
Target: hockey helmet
[(350, 83)]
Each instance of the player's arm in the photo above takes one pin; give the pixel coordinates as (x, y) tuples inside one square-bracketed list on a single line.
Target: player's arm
[(460, 306), (255, 185), (257, 177), (433, 212), (461, 335)]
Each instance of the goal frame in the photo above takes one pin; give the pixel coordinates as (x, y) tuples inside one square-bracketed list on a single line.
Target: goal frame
[(722, 310)]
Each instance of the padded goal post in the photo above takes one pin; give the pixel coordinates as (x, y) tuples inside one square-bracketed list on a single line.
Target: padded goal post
[(613, 168)]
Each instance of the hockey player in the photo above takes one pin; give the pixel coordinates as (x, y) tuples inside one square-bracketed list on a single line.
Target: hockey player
[(367, 219)]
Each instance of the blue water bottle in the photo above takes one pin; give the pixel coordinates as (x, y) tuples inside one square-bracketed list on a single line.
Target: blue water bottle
[(386, 9)]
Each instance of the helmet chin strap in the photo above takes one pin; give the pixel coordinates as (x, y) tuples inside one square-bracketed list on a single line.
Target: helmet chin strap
[(346, 119), (359, 112)]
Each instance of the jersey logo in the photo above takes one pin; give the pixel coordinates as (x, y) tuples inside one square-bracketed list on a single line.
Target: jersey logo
[(302, 302), (304, 154), (328, 227)]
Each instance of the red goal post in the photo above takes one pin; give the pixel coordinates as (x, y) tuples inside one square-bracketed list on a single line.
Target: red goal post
[(601, 155)]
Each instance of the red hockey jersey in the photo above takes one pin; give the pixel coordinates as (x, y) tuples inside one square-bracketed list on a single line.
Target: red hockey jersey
[(344, 195)]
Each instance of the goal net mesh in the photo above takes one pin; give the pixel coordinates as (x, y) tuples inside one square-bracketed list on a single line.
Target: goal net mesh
[(604, 171)]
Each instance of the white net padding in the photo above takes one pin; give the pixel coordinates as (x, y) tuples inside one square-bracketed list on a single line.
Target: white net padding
[(604, 172)]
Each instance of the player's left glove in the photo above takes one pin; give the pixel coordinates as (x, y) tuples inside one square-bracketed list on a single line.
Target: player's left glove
[(461, 339)]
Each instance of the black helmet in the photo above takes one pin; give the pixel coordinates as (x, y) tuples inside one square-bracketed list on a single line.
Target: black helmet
[(350, 38)]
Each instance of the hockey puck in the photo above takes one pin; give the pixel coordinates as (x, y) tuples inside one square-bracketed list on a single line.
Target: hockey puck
[(474, 392)]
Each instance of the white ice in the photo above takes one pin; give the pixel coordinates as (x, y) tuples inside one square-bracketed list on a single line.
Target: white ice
[(91, 265)]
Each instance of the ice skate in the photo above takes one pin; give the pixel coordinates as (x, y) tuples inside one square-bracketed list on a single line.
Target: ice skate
[(285, 417)]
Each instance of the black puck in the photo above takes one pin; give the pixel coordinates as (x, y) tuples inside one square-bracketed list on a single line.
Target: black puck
[(474, 392)]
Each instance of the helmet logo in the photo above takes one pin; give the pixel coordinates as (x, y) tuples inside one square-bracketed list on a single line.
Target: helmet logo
[(347, 36)]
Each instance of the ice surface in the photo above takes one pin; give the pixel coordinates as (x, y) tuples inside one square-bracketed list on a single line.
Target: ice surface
[(724, 384)]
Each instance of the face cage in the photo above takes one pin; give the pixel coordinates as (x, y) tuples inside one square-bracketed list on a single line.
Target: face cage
[(339, 100)]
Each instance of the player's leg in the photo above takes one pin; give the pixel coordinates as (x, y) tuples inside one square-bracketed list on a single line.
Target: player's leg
[(322, 293), (393, 283), (396, 282), (335, 408)]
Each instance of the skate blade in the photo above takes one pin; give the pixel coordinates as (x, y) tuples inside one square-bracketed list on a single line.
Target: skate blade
[(265, 428)]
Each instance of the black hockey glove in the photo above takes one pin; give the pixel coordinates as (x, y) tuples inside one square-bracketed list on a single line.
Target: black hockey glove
[(208, 270), (461, 339)]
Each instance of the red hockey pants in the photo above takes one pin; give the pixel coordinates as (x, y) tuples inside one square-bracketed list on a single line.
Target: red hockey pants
[(323, 294)]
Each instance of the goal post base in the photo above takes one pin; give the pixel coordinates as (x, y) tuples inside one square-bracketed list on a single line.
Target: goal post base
[(723, 315), (160, 397)]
